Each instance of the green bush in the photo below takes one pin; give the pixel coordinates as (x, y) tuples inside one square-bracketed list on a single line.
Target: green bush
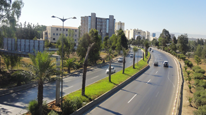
[(201, 110), (52, 113), (71, 104), (200, 71), (33, 107), (182, 56), (115, 54), (199, 88), (196, 67), (198, 75)]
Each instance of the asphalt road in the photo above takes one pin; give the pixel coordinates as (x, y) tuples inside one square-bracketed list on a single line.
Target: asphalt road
[(16, 103), (152, 93)]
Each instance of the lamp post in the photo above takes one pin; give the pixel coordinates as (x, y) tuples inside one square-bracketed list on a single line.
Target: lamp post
[(63, 20)]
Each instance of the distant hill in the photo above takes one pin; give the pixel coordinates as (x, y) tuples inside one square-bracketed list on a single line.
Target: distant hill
[(192, 36)]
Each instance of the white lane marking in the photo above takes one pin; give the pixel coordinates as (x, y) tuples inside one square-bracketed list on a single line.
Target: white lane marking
[(157, 94), (147, 111), (170, 81), (148, 81), (156, 72), (67, 88), (95, 77), (131, 98)]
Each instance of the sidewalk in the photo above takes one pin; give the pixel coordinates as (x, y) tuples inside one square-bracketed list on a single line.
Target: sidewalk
[(6, 91)]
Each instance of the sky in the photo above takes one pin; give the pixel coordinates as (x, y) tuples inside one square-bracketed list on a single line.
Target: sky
[(177, 16)]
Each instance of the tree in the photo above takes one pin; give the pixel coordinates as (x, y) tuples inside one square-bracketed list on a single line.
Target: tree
[(204, 52), (121, 40), (109, 50), (182, 44), (162, 42), (174, 40), (146, 45), (197, 60), (85, 41), (173, 47), (35, 38), (85, 68), (105, 42), (124, 54), (46, 43), (70, 63), (41, 69), (164, 38), (198, 51), (135, 49), (113, 39)]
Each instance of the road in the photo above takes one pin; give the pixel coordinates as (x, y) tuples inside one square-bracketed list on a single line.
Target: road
[(152, 93), (16, 103)]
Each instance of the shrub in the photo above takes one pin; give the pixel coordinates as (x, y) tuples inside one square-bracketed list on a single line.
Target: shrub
[(190, 64), (199, 88), (196, 67), (201, 110), (200, 98), (200, 71), (52, 113), (182, 56), (115, 54), (70, 105), (198, 75), (33, 107)]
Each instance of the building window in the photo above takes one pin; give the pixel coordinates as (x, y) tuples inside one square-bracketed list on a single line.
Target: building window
[(66, 34), (75, 30), (107, 28), (60, 29), (53, 38), (75, 40), (56, 29), (89, 23), (66, 29), (75, 35), (54, 34), (63, 29), (45, 33), (57, 34)]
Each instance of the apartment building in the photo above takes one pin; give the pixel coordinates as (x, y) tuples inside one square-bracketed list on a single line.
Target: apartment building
[(133, 33), (105, 26), (119, 25), (52, 33)]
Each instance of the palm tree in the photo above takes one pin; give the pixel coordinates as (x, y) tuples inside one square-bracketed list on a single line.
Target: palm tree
[(41, 69), (85, 68), (124, 54), (135, 49), (70, 63)]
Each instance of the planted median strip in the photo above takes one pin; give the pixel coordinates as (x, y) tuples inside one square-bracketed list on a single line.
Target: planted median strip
[(75, 100)]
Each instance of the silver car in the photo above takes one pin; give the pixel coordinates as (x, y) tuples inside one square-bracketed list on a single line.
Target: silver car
[(120, 59), (112, 70)]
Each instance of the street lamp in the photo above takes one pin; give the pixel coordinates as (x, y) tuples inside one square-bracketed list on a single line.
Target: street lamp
[(63, 20)]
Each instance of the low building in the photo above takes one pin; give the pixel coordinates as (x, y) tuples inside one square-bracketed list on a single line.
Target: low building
[(52, 33), (133, 33), (119, 25)]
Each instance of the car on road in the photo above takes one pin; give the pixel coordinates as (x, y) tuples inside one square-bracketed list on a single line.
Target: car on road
[(156, 63), (120, 59), (112, 70), (131, 55), (166, 63)]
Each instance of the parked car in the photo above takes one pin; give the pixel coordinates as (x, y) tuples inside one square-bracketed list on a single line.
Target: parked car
[(120, 59), (155, 63), (131, 55), (166, 63), (112, 70)]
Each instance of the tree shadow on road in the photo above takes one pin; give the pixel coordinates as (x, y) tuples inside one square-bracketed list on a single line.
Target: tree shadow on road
[(115, 113)]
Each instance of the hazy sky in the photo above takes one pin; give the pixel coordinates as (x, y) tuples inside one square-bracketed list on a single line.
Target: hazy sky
[(182, 16)]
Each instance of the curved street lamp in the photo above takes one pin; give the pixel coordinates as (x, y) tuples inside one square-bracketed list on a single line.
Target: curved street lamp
[(63, 20)]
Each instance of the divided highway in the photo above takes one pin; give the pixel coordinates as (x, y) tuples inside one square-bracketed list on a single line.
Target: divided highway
[(16, 103), (152, 93)]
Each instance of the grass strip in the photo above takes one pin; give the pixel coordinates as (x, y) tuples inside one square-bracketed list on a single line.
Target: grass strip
[(102, 86)]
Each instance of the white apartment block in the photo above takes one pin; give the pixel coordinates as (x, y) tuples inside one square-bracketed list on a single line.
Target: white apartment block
[(105, 26), (133, 33), (119, 25), (52, 33)]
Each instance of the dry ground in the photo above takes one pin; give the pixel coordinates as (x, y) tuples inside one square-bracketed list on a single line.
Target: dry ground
[(186, 108)]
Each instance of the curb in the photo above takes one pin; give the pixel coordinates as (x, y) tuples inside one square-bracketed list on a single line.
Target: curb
[(177, 107), (109, 93)]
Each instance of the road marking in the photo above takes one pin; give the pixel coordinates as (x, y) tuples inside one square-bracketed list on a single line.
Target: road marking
[(67, 88), (170, 81), (131, 98), (156, 72), (157, 94), (148, 81), (95, 77)]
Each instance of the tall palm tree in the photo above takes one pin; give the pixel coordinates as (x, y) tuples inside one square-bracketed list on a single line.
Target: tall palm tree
[(41, 69), (124, 54), (135, 49), (70, 63)]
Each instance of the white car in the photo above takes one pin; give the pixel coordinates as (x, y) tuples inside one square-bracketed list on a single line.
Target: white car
[(120, 59), (112, 70), (131, 55)]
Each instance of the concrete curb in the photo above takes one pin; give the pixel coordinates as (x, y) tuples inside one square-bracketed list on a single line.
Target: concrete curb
[(110, 93), (177, 109)]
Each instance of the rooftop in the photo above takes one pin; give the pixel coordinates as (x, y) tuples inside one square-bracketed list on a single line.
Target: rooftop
[(69, 27)]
